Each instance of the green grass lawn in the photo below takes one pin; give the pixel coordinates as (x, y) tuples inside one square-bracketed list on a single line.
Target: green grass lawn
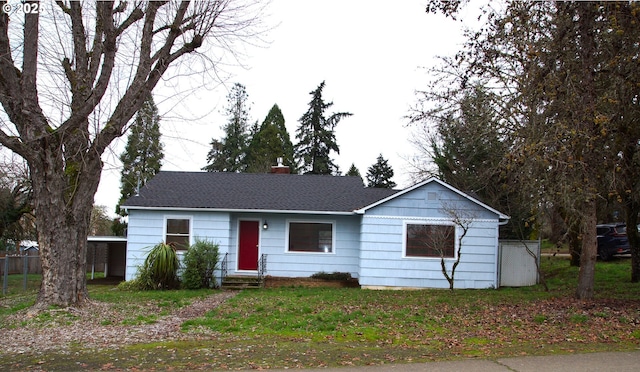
[(316, 327), (439, 324)]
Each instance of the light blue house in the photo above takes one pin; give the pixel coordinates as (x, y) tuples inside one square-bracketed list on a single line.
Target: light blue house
[(285, 225)]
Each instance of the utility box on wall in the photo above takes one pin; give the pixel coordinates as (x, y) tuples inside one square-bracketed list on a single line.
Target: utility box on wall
[(519, 260)]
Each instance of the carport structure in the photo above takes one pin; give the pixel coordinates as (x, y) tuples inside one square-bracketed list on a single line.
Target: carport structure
[(110, 251)]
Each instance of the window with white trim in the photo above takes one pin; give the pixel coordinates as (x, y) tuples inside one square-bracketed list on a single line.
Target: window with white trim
[(178, 233), (310, 237), (430, 240)]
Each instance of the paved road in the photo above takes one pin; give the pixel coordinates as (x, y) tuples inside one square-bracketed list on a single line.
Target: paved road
[(595, 362)]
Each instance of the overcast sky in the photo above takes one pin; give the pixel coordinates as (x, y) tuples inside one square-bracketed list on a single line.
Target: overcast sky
[(372, 56)]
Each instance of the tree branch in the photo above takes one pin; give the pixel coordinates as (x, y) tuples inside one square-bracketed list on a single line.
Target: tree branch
[(13, 143), (175, 30), (89, 93), (9, 74), (79, 40), (135, 16), (146, 78), (103, 21), (30, 57)]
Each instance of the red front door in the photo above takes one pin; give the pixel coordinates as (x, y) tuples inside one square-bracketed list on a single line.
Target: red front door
[(248, 245)]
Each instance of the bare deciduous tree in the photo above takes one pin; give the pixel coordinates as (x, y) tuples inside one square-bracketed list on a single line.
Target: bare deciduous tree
[(72, 75), (564, 74), (462, 219)]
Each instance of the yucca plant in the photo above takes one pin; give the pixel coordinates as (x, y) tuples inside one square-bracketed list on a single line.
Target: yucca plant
[(162, 266)]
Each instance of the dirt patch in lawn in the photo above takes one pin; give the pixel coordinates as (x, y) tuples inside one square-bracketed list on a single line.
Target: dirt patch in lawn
[(101, 325)]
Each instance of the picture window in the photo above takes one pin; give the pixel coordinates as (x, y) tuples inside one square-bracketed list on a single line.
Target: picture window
[(310, 237), (424, 240)]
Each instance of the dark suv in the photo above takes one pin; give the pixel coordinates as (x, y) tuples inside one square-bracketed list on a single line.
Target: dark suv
[(612, 239)]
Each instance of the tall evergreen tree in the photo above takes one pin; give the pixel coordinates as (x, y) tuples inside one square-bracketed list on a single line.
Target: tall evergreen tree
[(467, 145), (316, 137), (353, 171), (269, 142), (228, 154), (142, 157), (622, 109), (380, 174), (215, 160)]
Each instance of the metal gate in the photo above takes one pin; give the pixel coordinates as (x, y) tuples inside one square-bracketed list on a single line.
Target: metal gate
[(519, 261)]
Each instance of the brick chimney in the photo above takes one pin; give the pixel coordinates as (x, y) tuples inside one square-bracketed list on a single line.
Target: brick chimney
[(280, 168)]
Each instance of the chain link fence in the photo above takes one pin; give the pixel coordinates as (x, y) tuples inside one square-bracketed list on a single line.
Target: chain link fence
[(20, 272)]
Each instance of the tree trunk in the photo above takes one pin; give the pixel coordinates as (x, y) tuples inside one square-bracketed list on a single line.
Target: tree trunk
[(629, 194), (632, 209), (586, 276), (575, 245), (635, 258), (63, 145), (587, 98), (63, 250), (63, 196), (572, 236)]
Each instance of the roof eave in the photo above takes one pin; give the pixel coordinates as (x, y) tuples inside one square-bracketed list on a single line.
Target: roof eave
[(228, 210)]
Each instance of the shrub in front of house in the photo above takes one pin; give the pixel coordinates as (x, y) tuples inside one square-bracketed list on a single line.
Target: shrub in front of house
[(200, 263), (159, 271), (338, 276)]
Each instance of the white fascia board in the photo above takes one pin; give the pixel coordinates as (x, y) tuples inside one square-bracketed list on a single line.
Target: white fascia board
[(92, 238), (270, 211)]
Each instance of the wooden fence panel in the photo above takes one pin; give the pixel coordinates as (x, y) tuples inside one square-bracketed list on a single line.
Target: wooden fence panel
[(16, 264)]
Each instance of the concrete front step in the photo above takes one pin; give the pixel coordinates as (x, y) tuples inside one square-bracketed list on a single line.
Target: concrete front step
[(242, 282)]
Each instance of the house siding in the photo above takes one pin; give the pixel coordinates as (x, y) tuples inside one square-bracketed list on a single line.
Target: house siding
[(146, 229), (282, 263), (430, 201), (382, 261), (368, 244)]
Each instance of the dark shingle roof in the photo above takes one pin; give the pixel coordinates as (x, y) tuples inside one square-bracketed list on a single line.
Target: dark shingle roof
[(256, 191)]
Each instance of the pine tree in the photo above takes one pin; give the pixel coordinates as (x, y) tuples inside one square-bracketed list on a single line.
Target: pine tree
[(467, 145), (353, 171), (228, 154), (142, 157), (269, 142), (215, 160), (380, 174), (316, 137)]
